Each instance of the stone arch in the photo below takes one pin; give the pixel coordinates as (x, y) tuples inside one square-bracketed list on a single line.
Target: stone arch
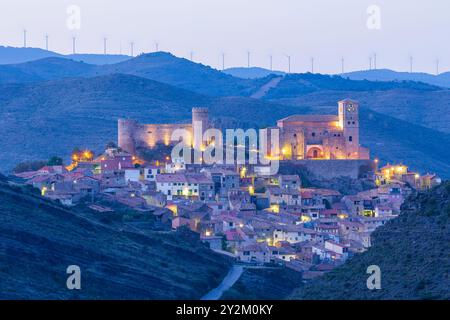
[(315, 153)]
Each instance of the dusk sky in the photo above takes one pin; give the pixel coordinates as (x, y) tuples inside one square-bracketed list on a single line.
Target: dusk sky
[(323, 29)]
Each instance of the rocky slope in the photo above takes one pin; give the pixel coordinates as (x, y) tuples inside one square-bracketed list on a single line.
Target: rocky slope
[(412, 252)]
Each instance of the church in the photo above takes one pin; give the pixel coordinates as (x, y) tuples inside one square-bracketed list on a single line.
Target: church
[(322, 136)]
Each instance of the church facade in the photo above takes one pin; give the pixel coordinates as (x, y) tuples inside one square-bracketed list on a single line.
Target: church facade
[(322, 136)]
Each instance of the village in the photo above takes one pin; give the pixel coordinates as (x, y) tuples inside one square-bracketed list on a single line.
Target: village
[(255, 219)]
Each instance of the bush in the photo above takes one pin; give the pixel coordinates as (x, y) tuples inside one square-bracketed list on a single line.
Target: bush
[(29, 166)]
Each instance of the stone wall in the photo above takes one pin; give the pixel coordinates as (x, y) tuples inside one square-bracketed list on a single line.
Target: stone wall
[(329, 169)]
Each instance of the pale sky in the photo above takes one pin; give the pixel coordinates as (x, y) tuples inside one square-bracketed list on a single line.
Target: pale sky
[(323, 29)]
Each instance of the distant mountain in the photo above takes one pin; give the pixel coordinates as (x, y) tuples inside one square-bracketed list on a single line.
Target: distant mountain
[(40, 239), (295, 85), (38, 120), (98, 59), (252, 72), (47, 69), (160, 66), (13, 55), (442, 80), (412, 252), (180, 72)]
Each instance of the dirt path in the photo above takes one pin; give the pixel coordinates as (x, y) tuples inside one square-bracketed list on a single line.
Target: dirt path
[(233, 275), (265, 88)]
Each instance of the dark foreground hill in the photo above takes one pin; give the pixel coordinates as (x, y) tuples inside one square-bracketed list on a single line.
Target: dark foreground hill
[(39, 240), (412, 252)]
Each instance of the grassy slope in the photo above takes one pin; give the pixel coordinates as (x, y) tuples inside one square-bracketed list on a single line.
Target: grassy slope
[(38, 240), (412, 251)]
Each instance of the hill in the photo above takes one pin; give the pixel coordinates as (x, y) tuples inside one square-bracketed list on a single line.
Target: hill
[(180, 72), (13, 55), (442, 80), (294, 85), (412, 252), (159, 66), (40, 239), (252, 72), (48, 69), (98, 59), (38, 120)]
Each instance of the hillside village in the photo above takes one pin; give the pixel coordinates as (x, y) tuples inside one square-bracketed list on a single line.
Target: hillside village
[(255, 219)]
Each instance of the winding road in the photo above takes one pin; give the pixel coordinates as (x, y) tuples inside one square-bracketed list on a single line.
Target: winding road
[(233, 275)]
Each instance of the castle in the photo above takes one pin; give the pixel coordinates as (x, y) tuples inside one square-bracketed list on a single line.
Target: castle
[(301, 136), (133, 135)]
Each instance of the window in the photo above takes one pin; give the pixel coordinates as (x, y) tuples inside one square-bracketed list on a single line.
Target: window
[(313, 134), (350, 138)]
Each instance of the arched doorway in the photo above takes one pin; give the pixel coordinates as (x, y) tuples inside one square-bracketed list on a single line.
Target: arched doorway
[(315, 153)]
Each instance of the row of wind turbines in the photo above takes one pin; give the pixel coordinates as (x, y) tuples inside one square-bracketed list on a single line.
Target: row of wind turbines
[(372, 60)]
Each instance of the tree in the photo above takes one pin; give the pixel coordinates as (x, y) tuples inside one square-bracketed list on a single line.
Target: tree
[(29, 166), (111, 145), (55, 161)]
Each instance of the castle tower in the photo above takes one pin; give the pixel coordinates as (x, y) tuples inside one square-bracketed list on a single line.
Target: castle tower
[(349, 122), (200, 123), (126, 131)]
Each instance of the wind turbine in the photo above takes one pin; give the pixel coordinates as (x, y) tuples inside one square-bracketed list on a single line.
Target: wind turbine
[(223, 61), (248, 59), (132, 48), (74, 39), (312, 65), (192, 55), (25, 38), (375, 61), (46, 41), (289, 62), (370, 63), (271, 63), (342, 65), (411, 64), (156, 47), (437, 67), (104, 45)]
